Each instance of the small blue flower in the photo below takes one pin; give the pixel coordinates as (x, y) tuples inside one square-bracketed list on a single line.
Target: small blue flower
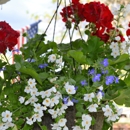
[(110, 79), (74, 100), (2, 69), (16, 50), (31, 60), (105, 62), (65, 100), (91, 71), (83, 82), (76, 87), (104, 71), (96, 78), (41, 66), (116, 80)]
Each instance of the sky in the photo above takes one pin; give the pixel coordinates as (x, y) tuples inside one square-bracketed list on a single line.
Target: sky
[(15, 13)]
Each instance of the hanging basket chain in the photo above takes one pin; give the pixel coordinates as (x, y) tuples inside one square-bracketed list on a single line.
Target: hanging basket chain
[(55, 20)]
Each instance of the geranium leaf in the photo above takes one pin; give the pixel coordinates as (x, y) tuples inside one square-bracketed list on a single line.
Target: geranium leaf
[(31, 72), (77, 55)]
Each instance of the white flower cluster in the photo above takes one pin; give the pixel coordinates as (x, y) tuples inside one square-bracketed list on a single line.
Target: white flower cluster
[(48, 103), (53, 59), (115, 9), (110, 114), (7, 120), (119, 48), (115, 49)]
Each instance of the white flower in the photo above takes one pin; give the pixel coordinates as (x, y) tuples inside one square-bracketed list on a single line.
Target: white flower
[(6, 116), (65, 128), (114, 45), (3, 127), (0, 104), (27, 89), (53, 113), (47, 102), (31, 82), (107, 111), (34, 92), (53, 89), (100, 87), (29, 121), (113, 117), (9, 124), (38, 108), (70, 89), (55, 127), (59, 61), (115, 8), (53, 79), (115, 53), (117, 38), (76, 128), (62, 122), (31, 100), (21, 99), (99, 96), (89, 97), (93, 108), (123, 44), (86, 121), (52, 58), (37, 117), (119, 111), (54, 100), (126, 10), (46, 93)]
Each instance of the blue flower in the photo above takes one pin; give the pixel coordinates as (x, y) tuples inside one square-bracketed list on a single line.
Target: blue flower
[(103, 94), (110, 79), (31, 60), (16, 50), (104, 71), (41, 66), (83, 82), (2, 69), (76, 87), (105, 62), (116, 80), (91, 71), (65, 100), (74, 100), (96, 78)]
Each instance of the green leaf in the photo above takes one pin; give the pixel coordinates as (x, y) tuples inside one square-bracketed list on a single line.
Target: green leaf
[(78, 56), (43, 76), (127, 80), (17, 66), (122, 58), (64, 47), (123, 98), (106, 126), (32, 73)]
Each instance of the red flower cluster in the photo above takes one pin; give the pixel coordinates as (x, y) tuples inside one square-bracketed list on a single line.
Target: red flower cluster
[(99, 14), (128, 30), (93, 12), (8, 37), (73, 12)]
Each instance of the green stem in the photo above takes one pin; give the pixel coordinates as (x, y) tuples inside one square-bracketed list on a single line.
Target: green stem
[(6, 59)]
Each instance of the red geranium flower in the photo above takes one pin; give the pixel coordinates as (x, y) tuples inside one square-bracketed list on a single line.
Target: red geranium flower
[(102, 35), (128, 32), (99, 14), (73, 12), (8, 37)]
